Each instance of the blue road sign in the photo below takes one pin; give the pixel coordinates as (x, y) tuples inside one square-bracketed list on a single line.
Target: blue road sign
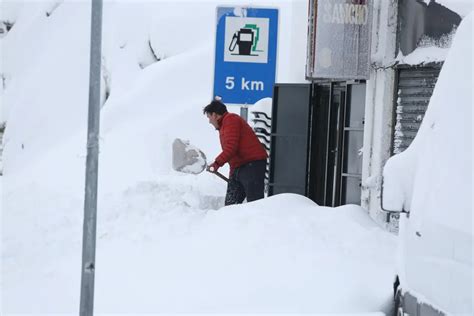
[(246, 50)]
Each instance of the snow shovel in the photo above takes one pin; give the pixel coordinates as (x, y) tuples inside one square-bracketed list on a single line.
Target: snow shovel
[(189, 159)]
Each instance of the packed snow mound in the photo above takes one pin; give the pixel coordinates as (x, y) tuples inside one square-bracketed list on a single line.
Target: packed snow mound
[(409, 176), (453, 163), (432, 180), (280, 254), (187, 158)]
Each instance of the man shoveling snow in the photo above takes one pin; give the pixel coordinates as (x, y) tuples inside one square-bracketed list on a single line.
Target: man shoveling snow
[(242, 150)]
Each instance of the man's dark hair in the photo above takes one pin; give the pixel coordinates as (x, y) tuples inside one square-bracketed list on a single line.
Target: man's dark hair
[(215, 107)]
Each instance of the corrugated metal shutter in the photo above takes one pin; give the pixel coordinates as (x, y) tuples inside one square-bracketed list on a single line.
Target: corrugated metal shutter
[(415, 87)]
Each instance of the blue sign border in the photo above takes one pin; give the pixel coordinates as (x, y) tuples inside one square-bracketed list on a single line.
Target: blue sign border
[(255, 72)]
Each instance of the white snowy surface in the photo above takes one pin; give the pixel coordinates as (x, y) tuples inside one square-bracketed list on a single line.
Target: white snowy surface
[(433, 180), (263, 106), (423, 55), (162, 247), (450, 106), (187, 158)]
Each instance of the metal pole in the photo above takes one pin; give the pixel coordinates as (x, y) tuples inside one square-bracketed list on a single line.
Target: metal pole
[(244, 112), (90, 200)]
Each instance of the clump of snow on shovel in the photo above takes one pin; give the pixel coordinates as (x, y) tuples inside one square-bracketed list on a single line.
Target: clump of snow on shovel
[(187, 158)]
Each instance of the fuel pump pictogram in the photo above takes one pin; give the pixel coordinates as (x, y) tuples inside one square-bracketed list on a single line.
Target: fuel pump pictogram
[(246, 38), (245, 54)]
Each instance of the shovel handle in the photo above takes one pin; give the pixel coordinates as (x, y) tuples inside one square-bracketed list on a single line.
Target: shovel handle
[(220, 175)]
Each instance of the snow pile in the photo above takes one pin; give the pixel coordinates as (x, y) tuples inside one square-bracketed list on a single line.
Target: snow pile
[(161, 253), (161, 246), (259, 118), (264, 106), (437, 138), (187, 158), (433, 180)]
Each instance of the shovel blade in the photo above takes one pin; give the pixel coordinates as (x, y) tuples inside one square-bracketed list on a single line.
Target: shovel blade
[(187, 158)]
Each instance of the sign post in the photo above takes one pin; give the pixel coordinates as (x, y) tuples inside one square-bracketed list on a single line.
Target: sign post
[(92, 166), (245, 55)]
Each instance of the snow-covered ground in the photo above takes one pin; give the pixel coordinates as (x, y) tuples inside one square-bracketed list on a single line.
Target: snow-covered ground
[(162, 246), (161, 253)]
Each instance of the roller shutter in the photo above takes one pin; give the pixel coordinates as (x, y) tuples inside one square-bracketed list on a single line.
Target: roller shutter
[(415, 87)]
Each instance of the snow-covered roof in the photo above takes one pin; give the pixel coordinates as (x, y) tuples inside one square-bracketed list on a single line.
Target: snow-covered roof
[(430, 50), (423, 55)]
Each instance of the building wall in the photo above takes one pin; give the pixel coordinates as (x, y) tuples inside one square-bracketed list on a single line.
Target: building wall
[(382, 93), (293, 27), (379, 105)]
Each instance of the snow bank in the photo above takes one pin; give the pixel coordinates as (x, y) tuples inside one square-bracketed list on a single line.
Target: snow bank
[(433, 180), (264, 105), (411, 171), (261, 120), (439, 139), (160, 253), (423, 55)]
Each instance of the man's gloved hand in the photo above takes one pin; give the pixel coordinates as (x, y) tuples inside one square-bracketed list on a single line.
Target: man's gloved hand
[(213, 167)]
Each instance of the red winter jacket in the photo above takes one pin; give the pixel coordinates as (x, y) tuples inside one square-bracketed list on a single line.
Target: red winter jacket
[(239, 143)]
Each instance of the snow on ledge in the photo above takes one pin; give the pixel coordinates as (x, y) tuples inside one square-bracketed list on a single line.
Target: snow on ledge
[(423, 55)]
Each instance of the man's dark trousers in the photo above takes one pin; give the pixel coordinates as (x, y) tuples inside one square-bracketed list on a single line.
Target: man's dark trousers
[(247, 181)]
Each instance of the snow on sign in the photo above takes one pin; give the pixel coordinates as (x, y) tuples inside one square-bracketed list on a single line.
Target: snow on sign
[(245, 56)]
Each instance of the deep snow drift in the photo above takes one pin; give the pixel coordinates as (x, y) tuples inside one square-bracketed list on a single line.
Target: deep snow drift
[(432, 180), (162, 247), (158, 252)]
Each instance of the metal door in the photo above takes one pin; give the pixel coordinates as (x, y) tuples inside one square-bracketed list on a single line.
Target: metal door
[(316, 141), (336, 115), (337, 131), (289, 143), (352, 144), (318, 154)]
